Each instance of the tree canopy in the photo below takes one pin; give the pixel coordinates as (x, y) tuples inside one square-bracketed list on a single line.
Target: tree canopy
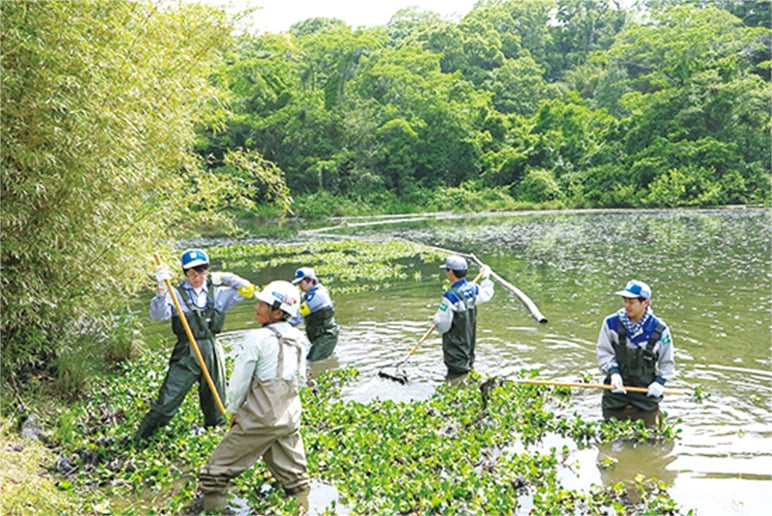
[(100, 101), (609, 103)]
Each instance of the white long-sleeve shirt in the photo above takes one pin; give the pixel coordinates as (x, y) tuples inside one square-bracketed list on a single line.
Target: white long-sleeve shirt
[(259, 358)]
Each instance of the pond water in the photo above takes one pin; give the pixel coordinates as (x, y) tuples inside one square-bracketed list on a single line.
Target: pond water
[(710, 272)]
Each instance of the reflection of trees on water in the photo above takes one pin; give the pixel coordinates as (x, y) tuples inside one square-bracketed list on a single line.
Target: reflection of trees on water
[(678, 250), (622, 461)]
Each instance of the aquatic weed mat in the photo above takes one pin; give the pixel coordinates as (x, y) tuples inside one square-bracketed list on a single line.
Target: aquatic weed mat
[(455, 452), (346, 266)]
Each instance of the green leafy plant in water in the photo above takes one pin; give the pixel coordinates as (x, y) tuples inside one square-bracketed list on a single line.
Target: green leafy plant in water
[(345, 266), (699, 394), (456, 452)]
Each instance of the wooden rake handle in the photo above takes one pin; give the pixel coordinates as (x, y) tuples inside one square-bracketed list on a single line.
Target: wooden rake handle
[(580, 385)]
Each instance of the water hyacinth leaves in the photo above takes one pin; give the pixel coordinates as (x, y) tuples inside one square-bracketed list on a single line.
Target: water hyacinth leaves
[(450, 453), (345, 266)]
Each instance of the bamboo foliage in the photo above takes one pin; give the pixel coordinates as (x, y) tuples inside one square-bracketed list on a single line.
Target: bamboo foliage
[(99, 102)]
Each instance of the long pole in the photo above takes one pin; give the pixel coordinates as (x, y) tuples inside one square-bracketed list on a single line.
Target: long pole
[(192, 340), (415, 348), (530, 305), (595, 386)]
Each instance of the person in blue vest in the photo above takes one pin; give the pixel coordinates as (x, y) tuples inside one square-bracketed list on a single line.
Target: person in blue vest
[(635, 349), (456, 317), (204, 302), (318, 312)]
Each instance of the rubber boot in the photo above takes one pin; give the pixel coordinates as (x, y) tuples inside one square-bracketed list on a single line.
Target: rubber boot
[(302, 498), (215, 502), (147, 428)]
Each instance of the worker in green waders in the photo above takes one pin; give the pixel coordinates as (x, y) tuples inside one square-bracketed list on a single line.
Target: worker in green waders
[(456, 317), (204, 300), (318, 312), (635, 349)]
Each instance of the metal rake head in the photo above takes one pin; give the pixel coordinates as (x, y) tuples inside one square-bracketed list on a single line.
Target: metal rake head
[(396, 375)]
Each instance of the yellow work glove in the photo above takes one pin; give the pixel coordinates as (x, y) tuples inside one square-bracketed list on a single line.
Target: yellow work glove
[(247, 291)]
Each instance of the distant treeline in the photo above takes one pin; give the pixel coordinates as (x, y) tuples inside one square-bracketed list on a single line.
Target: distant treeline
[(578, 103)]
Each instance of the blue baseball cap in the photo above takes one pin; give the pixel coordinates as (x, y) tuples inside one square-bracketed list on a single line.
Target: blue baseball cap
[(193, 258), (635, 289), (303, 273)]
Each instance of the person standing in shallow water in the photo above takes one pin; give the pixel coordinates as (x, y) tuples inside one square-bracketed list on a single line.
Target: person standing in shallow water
[(263, 398), (456, 317), (318, 312), (635, 349), (204, 303)]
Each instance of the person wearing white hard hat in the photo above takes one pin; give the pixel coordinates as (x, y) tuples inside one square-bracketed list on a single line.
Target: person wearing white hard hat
[(318, 312), (635, 349), (204, 298), (456, 317), (263, 399)]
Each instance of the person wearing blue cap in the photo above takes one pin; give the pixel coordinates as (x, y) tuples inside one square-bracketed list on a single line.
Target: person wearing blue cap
[(318, 312), (635, 349), (456, 317), (204, 298)]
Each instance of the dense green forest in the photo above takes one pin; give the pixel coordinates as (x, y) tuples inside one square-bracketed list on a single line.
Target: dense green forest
[(126, 125), (577, 103)]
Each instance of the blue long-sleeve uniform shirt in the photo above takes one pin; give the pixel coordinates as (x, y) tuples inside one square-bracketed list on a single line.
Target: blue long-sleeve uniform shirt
[(225, 296), (317, 298)]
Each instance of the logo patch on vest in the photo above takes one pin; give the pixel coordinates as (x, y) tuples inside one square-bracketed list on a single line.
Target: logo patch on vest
[(666, 340), (443, 307)]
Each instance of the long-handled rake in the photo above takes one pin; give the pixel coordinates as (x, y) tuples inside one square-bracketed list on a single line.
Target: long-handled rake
[(396, 372), (578, 385)]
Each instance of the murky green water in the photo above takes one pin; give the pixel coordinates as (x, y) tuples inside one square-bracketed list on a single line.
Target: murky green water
[(712, 282)]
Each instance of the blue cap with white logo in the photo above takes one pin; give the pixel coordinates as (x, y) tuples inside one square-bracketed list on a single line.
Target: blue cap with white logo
[(303, 273), (635, 289), (194, 258)]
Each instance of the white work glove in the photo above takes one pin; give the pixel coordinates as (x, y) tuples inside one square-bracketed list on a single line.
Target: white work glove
[(486, 272), (656, 390), (616, 382), (162, 274), (216, 278)]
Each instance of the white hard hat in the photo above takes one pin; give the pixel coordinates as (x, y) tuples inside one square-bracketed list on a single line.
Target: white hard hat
[(281, 294)]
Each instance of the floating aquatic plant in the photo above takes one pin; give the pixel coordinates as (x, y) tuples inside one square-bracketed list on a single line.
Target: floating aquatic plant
[(446, 454), (474, 448), (345, 266)]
